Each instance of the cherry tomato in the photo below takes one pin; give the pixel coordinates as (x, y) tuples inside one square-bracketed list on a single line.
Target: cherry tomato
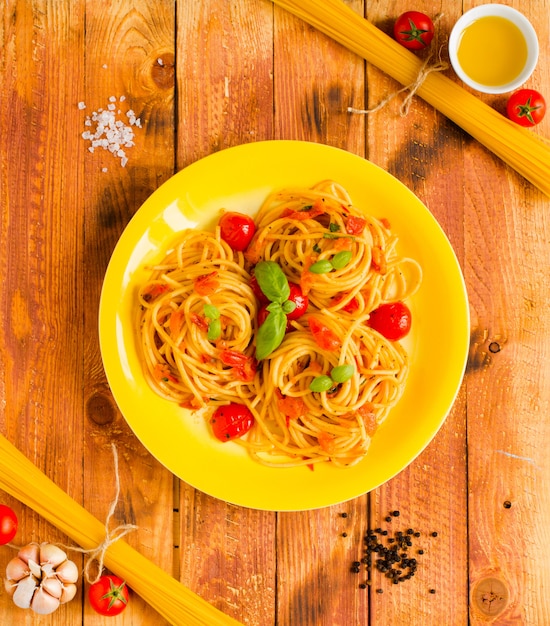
[(300, 300), (414, 30), (237, 230), (526, 107), (324, 337), (231, 421), (260, 295), (109, 595), (351, 307), (392, 320), (8, 524)]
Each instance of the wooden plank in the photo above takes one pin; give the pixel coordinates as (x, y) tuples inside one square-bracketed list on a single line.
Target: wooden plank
[(225, 81), (314, 88), (129, 53), (423, 150), (509, 387), (225, 98), (42, 61)]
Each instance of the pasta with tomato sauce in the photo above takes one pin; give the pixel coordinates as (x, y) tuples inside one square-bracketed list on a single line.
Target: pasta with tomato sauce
[(220, 327)]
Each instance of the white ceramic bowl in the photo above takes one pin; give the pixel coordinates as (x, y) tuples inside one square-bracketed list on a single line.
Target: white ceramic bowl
[(495, 10)]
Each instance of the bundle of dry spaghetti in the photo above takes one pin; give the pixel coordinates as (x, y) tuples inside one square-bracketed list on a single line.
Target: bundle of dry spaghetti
[(520, 148), (176, 603)]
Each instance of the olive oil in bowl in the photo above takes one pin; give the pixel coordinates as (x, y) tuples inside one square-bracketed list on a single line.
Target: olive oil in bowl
[(492, 51), (493, 48)]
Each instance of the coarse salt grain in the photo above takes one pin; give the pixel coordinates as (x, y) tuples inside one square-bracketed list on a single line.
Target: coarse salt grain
[(110, 133)]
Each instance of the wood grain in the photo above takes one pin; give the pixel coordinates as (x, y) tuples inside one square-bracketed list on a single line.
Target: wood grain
[(507, 384), (203, 76), (130, 53), (41, 296)]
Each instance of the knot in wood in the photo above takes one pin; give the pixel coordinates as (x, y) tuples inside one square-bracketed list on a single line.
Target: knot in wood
[(490, 596), (100, 409), (163, 70)]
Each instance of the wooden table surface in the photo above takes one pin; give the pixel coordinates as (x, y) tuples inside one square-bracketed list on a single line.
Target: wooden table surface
[(203, 75)]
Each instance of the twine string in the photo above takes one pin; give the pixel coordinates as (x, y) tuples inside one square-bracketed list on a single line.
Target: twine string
[(412, 88), (111, 536)]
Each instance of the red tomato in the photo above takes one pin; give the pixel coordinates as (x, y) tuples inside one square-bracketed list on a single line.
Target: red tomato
[(8, 524), (207, 284), (244, 367), (231, 421), (109, 595), (413, 30), (351, 307), (392, 320), (260, 295), (526, 107), (300, 300), (324, 337), (355, 225), (237, 230)]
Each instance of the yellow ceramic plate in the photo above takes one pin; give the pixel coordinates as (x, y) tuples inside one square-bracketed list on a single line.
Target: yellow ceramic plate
[(239, 179)]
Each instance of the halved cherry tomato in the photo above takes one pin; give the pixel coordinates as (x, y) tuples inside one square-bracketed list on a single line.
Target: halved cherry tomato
[(324, 337), (392, 320), (231, 421), (351, 307), (237, 230), (292, 408), (8, 524), (526, 107), (243, 366), (414, 30), (355, 225), (207, 284), (154, 291)]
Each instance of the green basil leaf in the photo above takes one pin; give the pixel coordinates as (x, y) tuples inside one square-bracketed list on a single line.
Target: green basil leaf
[(271, 333), (288, 306), (214, 330), (324, 266), (334, 228), (341, 259), (317, 248), (211, 312), (341, 373), (320, 383), (272, 281)]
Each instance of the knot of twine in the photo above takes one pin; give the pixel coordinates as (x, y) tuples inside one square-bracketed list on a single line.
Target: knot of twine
[(111, 536), (412, 88)]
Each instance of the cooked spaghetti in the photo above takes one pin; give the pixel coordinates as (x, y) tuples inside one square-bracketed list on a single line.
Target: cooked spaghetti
[(321, 392)]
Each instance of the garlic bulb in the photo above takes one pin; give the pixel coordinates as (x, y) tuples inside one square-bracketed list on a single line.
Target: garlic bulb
[(41, 578)]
